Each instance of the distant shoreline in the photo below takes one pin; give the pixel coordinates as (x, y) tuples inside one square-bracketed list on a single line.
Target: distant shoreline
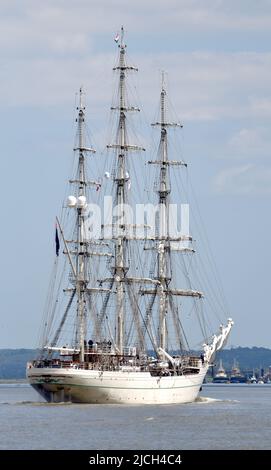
[(13, 381), (252, 361)]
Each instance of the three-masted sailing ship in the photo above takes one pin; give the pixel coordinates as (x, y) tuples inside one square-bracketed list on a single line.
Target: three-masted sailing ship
[(111, 341)]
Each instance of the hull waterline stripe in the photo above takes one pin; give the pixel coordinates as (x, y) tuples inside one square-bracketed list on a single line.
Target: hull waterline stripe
[(114, 388)]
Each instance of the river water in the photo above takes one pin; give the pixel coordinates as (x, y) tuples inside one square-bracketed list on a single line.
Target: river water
[(224, 417)]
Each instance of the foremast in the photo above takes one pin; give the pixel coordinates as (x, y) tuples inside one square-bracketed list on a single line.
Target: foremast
[(81, 255), (78, 249)]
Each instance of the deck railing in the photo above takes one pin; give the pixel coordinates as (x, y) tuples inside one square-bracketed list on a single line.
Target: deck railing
[(185, 362)]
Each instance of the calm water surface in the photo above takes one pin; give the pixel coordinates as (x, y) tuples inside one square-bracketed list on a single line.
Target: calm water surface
[(225, 417)]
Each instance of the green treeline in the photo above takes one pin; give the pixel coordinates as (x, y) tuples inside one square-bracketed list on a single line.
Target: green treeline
[(13, 361)]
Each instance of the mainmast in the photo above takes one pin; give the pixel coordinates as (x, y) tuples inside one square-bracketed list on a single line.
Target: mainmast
[(122, 146), (163, 252), (120, 181)]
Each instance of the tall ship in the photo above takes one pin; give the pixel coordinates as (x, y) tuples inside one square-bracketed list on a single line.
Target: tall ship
[(221, 376), (114, 327)]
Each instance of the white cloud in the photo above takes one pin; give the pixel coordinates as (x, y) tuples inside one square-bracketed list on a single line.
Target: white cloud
[(202, 86), (156, 16), (48, 48), (250, 142), (49, 82), (244, 180), (261, 106), (38, 28)]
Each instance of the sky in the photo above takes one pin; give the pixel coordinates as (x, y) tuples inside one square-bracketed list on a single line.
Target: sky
[(217, 58)]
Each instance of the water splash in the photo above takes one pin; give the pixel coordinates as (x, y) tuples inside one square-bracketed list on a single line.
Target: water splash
[(209, 400)]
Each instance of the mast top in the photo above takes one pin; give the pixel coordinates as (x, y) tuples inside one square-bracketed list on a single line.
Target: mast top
[(119, 39), (163, 90), (81, 125), (122, 45), (163, 123), (81, 93)]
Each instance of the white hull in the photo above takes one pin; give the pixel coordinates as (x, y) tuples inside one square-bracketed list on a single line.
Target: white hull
[(93, 386)]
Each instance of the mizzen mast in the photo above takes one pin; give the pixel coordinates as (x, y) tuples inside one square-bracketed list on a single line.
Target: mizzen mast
[(163, 246), (164, 240)]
